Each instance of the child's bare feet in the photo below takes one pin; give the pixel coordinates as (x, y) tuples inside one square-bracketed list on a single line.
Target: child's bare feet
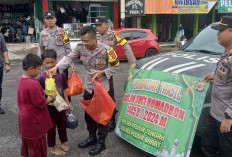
[(57, 151), (64, 146)]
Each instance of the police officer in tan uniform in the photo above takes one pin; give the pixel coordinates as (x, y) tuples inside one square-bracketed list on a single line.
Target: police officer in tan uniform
[(100, 62), (217, 134), (54, 38), (111, 38)]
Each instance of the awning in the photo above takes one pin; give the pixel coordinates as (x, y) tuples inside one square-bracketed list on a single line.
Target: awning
[(178, 6)]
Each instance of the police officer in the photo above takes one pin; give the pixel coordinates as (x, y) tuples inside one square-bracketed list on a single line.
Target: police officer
[(111, 38), (54, 38), (100, 62), (217, 134)]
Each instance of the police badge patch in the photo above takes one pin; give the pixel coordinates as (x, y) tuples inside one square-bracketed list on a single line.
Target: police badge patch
[(200, 86), (109, 43), (112, 54), (100, 63), (59, 40)]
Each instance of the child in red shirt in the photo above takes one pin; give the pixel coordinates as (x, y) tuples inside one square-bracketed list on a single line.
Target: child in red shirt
[(33, 116), (58, 118)]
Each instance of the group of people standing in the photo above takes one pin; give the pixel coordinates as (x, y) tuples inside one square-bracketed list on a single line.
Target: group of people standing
[(38, 117), (100, 60)]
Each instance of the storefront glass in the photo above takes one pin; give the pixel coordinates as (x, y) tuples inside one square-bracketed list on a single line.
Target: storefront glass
[(72, 16), (17, 22)]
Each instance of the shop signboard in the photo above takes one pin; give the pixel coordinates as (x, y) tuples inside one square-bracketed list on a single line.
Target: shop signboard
[(178, 6), (134, 7), (160, 111), (224, 6)]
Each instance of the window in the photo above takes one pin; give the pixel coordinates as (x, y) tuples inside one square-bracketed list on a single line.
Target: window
[(139, 34), (126, 34), (95, 11)]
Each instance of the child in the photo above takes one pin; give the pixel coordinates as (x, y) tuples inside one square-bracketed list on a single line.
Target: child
[(58, 118), (34, 119)]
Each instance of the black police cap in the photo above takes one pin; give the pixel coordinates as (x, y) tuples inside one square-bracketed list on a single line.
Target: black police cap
[(226, 22), (100, 20), (49, 14)]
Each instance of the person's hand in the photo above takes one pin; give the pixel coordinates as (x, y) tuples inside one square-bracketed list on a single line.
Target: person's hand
[(97, 74), (132, 65), (209, 78), (52, 71), (7, 68), (73, 68), (70, 107), (225, 125), (54, 93)]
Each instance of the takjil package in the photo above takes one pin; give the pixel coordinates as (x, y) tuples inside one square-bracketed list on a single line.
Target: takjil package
[(74, 85), (101, 106), (50, 85)]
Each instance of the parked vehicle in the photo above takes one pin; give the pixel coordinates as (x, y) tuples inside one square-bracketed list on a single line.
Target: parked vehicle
[(143, 43), (197, 57)]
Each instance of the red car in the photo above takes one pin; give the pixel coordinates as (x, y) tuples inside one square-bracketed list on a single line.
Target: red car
[(143, 43)]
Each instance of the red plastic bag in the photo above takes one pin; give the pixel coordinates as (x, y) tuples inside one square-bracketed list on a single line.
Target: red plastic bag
[(74, 85), (101, 106)]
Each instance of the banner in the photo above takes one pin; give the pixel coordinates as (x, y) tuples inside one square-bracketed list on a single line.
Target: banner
[(178, 6), (224, 6), (160, 111)]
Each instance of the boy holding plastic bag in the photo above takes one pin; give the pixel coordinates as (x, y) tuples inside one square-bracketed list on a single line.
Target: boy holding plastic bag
[(57, 114), (33, 116), (100, 62)]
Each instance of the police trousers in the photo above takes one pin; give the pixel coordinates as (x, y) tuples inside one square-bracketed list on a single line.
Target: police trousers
[(93, 126), (213, 142)]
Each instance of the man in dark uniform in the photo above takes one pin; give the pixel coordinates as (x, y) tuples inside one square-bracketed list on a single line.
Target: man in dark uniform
[(112, 38), (217, 134), (100, 62)]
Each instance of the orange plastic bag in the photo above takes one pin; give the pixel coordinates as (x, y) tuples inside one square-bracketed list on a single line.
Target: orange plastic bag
[(74, 85), (101, 106)]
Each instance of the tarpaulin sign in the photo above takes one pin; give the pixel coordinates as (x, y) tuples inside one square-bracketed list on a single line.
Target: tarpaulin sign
[(224, 6), (160, 111)]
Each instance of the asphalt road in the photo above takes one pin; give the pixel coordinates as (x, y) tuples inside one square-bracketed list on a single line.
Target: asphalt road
[(10, 141)]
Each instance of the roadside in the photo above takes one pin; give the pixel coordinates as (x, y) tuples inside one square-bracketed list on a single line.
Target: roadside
[(20, 50), (167, 47)]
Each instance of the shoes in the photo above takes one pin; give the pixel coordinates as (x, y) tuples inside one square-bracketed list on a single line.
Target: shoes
[(1, 111), (91, 140), (98, 148)]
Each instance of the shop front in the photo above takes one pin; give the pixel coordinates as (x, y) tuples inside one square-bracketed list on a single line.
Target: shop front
[(17, 20), (72, 15), (164, 17)]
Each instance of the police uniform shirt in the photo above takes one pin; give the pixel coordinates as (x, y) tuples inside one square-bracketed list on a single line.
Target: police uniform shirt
[(221, 99), (56, 40), (111, 38), (103, 58)]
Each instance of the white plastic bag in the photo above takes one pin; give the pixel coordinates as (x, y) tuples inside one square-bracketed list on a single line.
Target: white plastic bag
[(60, 103)]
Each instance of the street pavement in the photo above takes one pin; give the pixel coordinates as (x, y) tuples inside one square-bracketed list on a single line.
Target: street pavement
[(10, 141)]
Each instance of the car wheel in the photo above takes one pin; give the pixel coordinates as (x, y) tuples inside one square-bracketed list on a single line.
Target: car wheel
[(150, 52)]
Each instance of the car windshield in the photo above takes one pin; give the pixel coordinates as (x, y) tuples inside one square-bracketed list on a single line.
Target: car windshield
[(205, 41)]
